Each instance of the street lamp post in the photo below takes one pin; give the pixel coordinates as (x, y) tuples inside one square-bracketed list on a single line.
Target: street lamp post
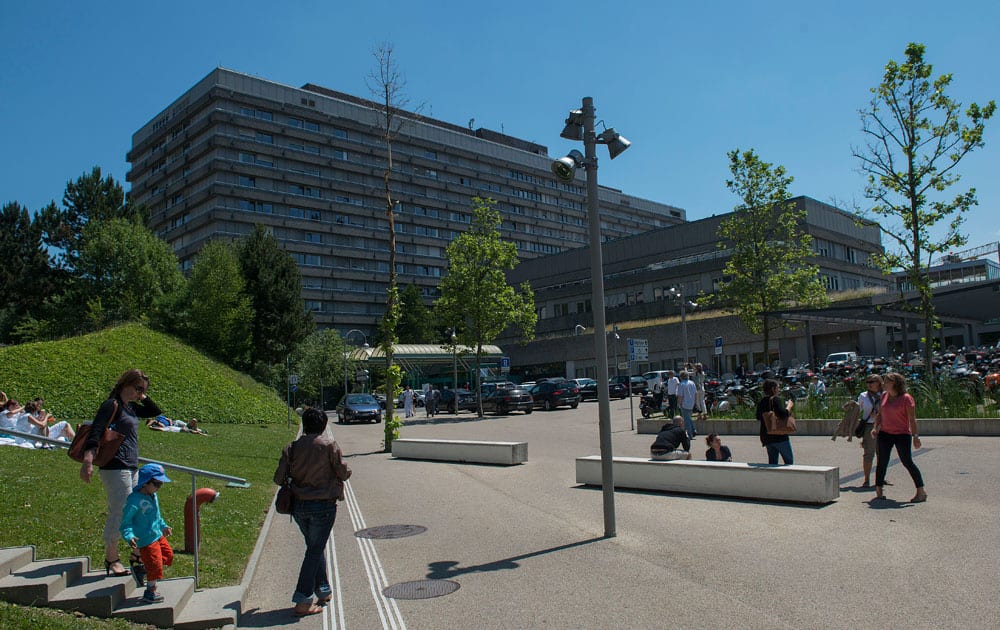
[(454, 362), (580, 126), (685, 304), (347, 338)]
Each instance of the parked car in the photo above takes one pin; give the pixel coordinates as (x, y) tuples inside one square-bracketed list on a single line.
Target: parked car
[(493, 386), (359, 408), (615, 390), (551, 394), (638, 383), (466, 400), (503, 401), (582, 382), (653, 378)]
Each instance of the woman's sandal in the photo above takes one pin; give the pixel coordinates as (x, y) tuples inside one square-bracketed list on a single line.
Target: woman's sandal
[(323, 601), (919, 498), (312, 610), (108, 571)]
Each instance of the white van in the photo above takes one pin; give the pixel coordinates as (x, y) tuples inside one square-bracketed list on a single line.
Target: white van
[(654, 377), (840, 358)]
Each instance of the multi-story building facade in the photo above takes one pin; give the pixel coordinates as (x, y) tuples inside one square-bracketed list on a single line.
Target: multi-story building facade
[(235, 151), (641, 270)]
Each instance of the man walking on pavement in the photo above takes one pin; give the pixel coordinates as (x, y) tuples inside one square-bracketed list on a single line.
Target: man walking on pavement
[(687, 393), (672, 384)]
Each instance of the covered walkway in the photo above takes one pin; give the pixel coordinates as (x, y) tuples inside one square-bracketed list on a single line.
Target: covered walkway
[(430, 363)]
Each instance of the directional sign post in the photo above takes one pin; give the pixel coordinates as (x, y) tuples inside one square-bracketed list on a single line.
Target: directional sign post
[(505, 365), (638, 349), (718, 345)]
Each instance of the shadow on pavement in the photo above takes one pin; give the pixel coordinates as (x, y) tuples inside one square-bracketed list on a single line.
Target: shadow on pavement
[(447, 569), (256, 618), (710, 497)]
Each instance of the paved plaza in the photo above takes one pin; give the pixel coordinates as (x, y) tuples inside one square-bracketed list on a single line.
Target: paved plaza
[(524, 544)]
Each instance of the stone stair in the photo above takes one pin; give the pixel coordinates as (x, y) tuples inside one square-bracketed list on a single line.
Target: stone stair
[(70, 584)]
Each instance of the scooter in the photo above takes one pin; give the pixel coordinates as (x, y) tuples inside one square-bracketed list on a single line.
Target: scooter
[(647, 405)]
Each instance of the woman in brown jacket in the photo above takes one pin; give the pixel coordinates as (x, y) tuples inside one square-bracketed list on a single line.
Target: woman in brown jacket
[(317, 471)]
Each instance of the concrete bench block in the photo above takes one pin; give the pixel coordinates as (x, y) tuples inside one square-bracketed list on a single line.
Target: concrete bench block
[(504, 453), (805, 484)]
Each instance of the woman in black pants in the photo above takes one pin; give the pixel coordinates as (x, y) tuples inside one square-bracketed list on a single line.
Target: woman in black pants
[(896, 426)]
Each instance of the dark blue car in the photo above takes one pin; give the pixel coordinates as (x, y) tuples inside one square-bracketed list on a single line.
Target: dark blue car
[(358, 408)]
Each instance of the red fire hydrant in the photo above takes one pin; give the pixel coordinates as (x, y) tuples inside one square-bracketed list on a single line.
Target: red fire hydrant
[(203, 495)]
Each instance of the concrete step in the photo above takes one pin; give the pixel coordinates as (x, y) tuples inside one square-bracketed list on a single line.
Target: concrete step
[(69, 584), (211, 608), (176, 593), (13, 558), (95, 594), (35, 583)]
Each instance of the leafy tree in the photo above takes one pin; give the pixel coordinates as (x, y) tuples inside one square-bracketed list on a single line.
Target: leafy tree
[(123, 269), (25, 277), (767, 264), (89, 198), (274, 284), (475, 294), (320, 361), (387, 85), (416, 321), (915, 137), (219, 317)]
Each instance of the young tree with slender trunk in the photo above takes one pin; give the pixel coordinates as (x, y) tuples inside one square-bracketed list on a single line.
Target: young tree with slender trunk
[(387, 84), (475, 292), (915, 136), (768, 266)]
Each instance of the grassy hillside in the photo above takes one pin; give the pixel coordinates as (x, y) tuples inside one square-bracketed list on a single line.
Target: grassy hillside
[(75, 375)]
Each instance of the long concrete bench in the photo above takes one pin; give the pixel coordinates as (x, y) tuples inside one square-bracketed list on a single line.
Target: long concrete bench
[(826, 426), (505, 453), (805, 484)]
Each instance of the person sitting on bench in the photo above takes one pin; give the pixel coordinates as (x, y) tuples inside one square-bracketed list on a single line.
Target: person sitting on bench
[(672, 442)]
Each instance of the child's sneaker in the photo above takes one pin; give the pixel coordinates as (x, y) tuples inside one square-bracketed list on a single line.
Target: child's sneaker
[(152, 597), (138, 571)]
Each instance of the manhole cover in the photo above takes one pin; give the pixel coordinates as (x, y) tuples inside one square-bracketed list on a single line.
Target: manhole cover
[(420, 589), (391, 531)]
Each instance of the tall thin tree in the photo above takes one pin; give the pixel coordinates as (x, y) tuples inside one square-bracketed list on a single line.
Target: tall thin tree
[(915, 136), (387, 85)]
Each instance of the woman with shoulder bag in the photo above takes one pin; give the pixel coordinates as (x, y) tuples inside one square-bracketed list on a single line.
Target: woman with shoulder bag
[(318, 472), (896, 427), (775, 444), (126, 403), (869, 401)]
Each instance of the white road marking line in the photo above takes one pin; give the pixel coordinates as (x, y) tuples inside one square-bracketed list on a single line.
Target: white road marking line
[(387, 608)]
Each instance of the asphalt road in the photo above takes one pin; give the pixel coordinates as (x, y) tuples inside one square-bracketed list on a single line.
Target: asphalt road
[(524, 545)]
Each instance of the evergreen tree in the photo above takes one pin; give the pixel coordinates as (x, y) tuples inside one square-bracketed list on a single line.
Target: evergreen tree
[(219, 317), (274, 284), (25, 277), (416, 321)]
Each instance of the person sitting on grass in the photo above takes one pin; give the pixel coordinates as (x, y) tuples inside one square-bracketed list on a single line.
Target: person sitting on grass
[(669, 442)]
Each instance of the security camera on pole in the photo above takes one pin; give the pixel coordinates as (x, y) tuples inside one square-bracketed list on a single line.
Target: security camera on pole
[(580, 126)]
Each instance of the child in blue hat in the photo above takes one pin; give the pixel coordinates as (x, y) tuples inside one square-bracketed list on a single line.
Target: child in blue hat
[(145, 530)]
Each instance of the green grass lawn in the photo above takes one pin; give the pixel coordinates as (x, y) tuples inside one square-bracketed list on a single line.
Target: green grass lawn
[(14, 617), (44, 503)]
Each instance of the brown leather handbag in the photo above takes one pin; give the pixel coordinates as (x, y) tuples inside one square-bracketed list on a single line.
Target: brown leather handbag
[(107, 446), (776, 425)]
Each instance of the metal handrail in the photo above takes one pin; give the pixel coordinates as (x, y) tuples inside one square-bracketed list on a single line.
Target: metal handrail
[(184, 469)]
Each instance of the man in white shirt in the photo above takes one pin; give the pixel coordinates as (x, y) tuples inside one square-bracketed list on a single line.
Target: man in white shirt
[(672, 383)]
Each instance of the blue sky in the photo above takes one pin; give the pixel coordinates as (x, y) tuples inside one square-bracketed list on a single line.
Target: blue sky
[(685, 82)]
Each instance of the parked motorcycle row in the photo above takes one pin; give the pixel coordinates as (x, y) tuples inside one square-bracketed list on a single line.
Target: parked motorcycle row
[(977, 368)]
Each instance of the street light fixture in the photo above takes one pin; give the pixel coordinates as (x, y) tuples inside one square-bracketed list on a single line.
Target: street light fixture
[(347, 337), (685, 304), (454, 362), (580, 126)]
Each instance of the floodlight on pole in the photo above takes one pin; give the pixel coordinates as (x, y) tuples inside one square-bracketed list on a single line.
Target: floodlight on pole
[(685, 305), (582, 120)]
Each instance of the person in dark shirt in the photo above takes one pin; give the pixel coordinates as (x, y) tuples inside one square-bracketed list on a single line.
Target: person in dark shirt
[(775, 444), (716, 451), (671, 442)]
